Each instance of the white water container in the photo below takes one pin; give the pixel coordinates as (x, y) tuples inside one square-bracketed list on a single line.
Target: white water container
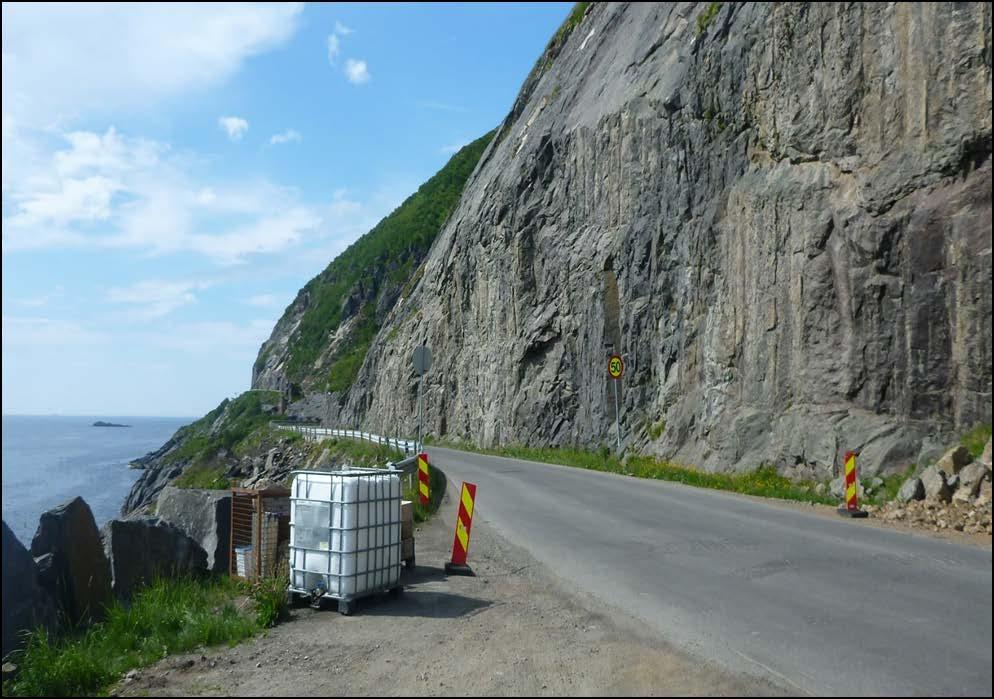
[(345, 532)]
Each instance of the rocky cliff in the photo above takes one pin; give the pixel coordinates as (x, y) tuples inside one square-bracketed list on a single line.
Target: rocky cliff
[(322, 338), (779, 214)]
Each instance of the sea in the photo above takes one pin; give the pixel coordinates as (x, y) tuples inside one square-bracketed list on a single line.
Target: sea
[(48, 460)]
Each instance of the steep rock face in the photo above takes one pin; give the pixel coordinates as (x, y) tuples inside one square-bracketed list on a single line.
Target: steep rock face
[(780, 217), (322, 338)]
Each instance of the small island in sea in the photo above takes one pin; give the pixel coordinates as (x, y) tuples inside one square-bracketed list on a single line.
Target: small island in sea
[(101, 423)]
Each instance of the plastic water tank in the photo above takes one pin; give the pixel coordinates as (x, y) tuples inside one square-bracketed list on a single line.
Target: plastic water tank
[(345, 531)]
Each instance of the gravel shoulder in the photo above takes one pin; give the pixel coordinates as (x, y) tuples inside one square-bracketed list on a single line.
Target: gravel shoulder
[(980, 540), (515, 629)]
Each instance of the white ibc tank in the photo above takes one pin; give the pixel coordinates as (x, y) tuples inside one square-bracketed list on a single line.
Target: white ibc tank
[(345, 531)]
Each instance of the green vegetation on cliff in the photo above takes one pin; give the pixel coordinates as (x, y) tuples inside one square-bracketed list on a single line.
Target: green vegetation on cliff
[(976, 439), (384, 259), (231, 426)]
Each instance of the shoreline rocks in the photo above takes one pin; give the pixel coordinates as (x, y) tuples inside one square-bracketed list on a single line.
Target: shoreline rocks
[(26, 605), (203, 515), (140, 550), (72, 563)]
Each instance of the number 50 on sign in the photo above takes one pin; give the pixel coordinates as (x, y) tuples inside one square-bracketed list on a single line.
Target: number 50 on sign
[(615, 366)]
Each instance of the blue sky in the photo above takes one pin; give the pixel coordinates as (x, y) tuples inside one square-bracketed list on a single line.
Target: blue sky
[(173, 174)]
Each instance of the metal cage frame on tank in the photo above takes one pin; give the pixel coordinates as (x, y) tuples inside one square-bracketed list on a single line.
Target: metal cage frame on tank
[(361, 555)]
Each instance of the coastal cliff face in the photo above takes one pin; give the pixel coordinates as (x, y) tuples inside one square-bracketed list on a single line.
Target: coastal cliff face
[(779, 214)]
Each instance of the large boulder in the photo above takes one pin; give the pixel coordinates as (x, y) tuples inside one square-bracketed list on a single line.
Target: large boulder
[(72, 565), (954, 460), (934, 481), (204, 515), (984, 494), (912, 489), (970, 479), (143, 549), (26, 605)]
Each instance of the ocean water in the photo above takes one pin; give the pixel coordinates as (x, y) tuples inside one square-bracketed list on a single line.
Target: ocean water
[(48, 460)]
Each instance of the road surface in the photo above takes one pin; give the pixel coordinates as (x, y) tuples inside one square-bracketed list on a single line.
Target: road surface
[(813, 603)]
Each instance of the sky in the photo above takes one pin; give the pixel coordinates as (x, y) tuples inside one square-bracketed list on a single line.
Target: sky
[(173, 174)]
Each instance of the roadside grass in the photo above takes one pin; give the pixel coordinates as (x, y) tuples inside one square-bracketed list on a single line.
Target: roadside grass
[(976, 439), (360, 453), (167, 617), (436, 491), (269, 593), (891, 484), (368, 455), (764, 481)]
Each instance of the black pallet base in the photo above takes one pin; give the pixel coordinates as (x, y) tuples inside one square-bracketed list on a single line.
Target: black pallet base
[(350, 607), (345, 607), (456, 569), (854, 514)]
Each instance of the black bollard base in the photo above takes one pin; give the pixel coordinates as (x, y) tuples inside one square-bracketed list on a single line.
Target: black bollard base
[(457, 569)]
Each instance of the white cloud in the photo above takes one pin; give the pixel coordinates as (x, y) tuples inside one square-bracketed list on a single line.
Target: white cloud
[(234, 126), (112, 191), (442, 106), (263, 300), (342, 29), (60, 61), (44, 299), (85, 199), (47, 333), (264, 235), (454, 148), (357, 72), (213, 336), (334, 48), (156, 298), (288, 136)]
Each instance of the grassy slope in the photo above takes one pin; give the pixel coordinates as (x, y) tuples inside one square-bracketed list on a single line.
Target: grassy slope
[(384, 258), (242, 418), (170, 616)]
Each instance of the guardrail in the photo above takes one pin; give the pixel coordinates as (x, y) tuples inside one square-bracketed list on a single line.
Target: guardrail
[(408, 446)]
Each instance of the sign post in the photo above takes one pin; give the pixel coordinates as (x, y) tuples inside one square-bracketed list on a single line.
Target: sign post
[(464, 523), (615, 368), (422, 363), (851, 506)]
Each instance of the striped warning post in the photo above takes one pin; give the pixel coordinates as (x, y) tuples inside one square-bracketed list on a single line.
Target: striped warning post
[(464, 523), (851, 506), (424, 492)]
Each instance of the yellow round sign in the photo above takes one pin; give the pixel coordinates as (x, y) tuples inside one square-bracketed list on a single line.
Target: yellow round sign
[(615, 366)]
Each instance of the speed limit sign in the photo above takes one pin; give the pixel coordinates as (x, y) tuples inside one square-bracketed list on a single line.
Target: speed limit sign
[(615, 366)]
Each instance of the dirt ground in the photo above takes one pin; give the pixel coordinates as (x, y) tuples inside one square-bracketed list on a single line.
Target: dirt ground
[(514, 629)]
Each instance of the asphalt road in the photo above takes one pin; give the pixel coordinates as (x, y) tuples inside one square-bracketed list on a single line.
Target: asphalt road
[(814, 603)]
